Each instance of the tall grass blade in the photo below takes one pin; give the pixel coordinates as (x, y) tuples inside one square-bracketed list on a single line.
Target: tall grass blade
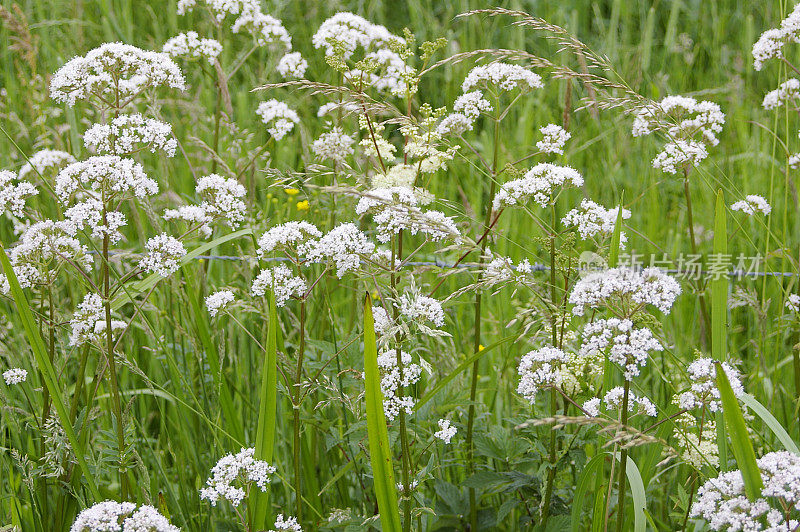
[(267, 414), (379, 453), (771, 422), (740, 439), (47, 370), (591, 470), (719, 314)]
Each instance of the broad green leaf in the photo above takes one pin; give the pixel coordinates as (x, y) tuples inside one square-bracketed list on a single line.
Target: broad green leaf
[(379, 452), (591, 470), (719, 313)]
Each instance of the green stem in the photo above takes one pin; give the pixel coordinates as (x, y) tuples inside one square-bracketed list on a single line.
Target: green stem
[(551, 472), (623, 462), (296, 413)]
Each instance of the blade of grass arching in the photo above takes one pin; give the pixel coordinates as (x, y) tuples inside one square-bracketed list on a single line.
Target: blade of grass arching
[(771, 422), (151, 280), (719, 314), (212, 357), (591, 470), (740, 439), (267, 415), (638, 494), (47, 370), (379, 453)]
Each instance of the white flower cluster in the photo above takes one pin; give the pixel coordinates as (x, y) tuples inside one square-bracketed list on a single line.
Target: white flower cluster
[(344, 245), (89, 213), (722, 501), (231, 477), (288, 523), (787, 91), (292, 65), (127, 134), (539, 183), (751, 204), (345, 107), (15, 376), (163, 256), (112, 516), (13, 195), (105, 176), (333, 145), (503, 76), (191, 46), (650, 286), (703, 391), (420, 309), (398, 175), (690, 126), (89, 323), (446, 431), (281, 281), (540, 369), (279, 118), (472, 104), (697, 450), (397, 208), (626, 345), (295, 236), (264, 28), (393, 379), (218, 301), (42, 160), (613, 401), (554, 139), (499, 269), (110, 68), (592, 219), (770, 44), (221, 200), (383, 323), (41, 252), (793, 302)]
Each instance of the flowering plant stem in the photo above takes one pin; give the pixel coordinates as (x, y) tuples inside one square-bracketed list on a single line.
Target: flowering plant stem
[(623, 461), (296, 402)]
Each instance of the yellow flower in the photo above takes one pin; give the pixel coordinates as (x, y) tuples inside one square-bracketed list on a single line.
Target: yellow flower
[(302, 205), (291, 191), (480, 347)]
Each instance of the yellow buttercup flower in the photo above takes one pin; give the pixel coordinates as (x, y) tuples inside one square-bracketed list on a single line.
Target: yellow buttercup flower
[(291, 191), (302, 205), (480, 347)]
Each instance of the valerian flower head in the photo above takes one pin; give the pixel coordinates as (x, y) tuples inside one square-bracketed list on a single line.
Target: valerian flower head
[(540, 183), (222, 198), (106, 177), (292, 65), (112, 516), (344, 246), (287, 523), (347, 32), (612, 401), (472, 104), (703, 391), (397, 208), (15, 376), (111, 68), (248, 18), (752, 204), (394, 378), (89, 322), (333, 145), (593, 219), (43, 160), (650, 286), (278, 117), (625, 344), (540, 369), (13, 194), (281, 281), (554, 138), (231, 477), (502, 76), (420, 309), (724, 505), (770, 44), (446, 431), (163, 256), (128, 134), (190, 45), (788, 91), (218, 301), (293, 236)]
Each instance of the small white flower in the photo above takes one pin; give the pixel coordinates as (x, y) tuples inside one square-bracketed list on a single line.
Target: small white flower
[(539, 183), (13, 195), (15, 376), (231, 477), (703, 391), (288, 523), (292, 65), (333, 145), (163, 255), (112, 516), (281, 281), (793, 302), (127, 134), (191, 46), (502, 75), (446, 431), (555, 137), (752, 204), (218, 301), (279, 118), (40, 161)]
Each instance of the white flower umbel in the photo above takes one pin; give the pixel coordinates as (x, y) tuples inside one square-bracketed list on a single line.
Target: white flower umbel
[(793, 302), (787, 91), (612, 402), (248, 18), (112, 516), (105, 176), (163, 256), (128, 134), (504, 76), (333, 145), (592, 219), (472, 104), (393, 379), (295, 237), (15, 376), (554, 139), (724, 505), (454, 124), (770, 44), (278, 117), (344, 245), (43, 160), (626, 345), (89, 214), (350, 32), (540, 369), (698, 451), (292, 65), (752, 204), (540, 183), (680, 155), (13, 194), (222, 198), (288, 523), (446, 431), (650, 286), (190, 45), (233, 475), (420, 309), (396, 208), (193, 215), (281, 281), (110, 68), (703, 391), (383, 323), (89, 321), (218, 301)]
